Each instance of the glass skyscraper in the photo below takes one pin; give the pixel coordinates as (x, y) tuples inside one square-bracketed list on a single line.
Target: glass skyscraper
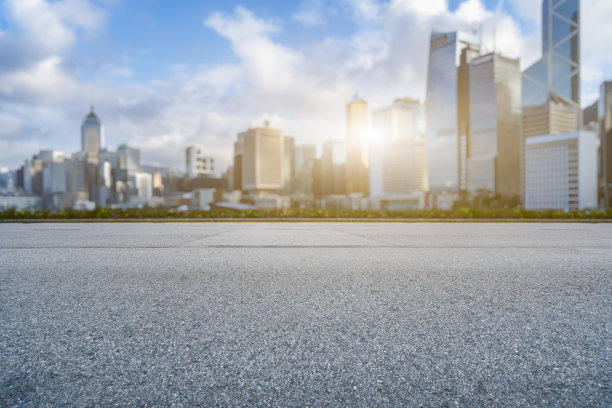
[(494, 162), (557, 74), (92, 137), (442, 108)]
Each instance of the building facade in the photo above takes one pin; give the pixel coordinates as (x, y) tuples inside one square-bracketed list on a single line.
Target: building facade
[(197, 164), (357, 156), (442, 139), (561, 171), (494, 154), (262, 159), (333, 168), (397, 156), (604, 112)]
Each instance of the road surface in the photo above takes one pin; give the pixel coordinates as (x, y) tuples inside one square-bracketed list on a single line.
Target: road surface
[(312, 314)]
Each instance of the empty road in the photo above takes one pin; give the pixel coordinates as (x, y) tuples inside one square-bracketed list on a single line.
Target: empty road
[(306, 314)]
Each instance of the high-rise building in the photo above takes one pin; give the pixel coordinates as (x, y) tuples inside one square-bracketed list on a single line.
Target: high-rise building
[(357, 156), (561, 171), (494, 160), (470, 52), (92, 137), (604, 112), (128, 160), (551, 86), (333, 168), (397, 156), (262, 159), (443, 115), (197, 164)]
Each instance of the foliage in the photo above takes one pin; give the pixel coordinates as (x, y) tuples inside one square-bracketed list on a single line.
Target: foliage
[(463, 212)]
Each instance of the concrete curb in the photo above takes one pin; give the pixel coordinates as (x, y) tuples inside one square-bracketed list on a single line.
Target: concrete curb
[(304, 220)]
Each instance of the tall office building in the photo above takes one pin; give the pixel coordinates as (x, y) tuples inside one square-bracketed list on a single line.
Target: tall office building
[(333, 168), (604, 112), (357, 157), (443, 96), (470, 52), (551, 86), (561, 171), (197, 164), (92, 137), (494, 161), (261, 153), (397, 157)]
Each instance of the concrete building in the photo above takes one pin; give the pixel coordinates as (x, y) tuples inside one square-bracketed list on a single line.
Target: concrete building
[(197, 164), (357, 156), (92, 137), (561, 171), (397, 156), (260, 156), (494, 149), (442, 141), (604, 113)]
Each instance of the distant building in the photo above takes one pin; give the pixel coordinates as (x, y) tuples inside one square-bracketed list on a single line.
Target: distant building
[(333, 168), (143, 183), (443, 115), (261, 158), (605, 136), (92, 137), (197, 164), (357, 156), (397, 156), (494, 150), (561, 171), (289, 166), (128, 159), (304, 156)]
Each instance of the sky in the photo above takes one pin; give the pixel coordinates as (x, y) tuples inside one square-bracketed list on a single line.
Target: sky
[(165, 75)]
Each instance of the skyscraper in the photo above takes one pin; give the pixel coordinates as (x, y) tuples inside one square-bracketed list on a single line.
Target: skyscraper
[(494, 161), (357, 160), (400, 146), (442, 140), (551, 86), (92, 137), (605, 137)]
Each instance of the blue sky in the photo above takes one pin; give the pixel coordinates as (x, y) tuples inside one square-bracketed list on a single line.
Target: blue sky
[(164, 75)]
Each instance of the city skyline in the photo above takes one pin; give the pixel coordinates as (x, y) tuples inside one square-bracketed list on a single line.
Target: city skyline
[(60, 72)]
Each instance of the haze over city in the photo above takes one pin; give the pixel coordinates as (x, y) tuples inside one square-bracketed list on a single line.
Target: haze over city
[(163, 76)]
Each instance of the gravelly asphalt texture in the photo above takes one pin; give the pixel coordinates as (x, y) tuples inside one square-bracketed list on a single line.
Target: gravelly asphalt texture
[(306, 315)]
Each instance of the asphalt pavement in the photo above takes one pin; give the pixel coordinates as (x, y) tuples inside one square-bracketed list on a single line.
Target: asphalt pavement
[(306, 314)]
